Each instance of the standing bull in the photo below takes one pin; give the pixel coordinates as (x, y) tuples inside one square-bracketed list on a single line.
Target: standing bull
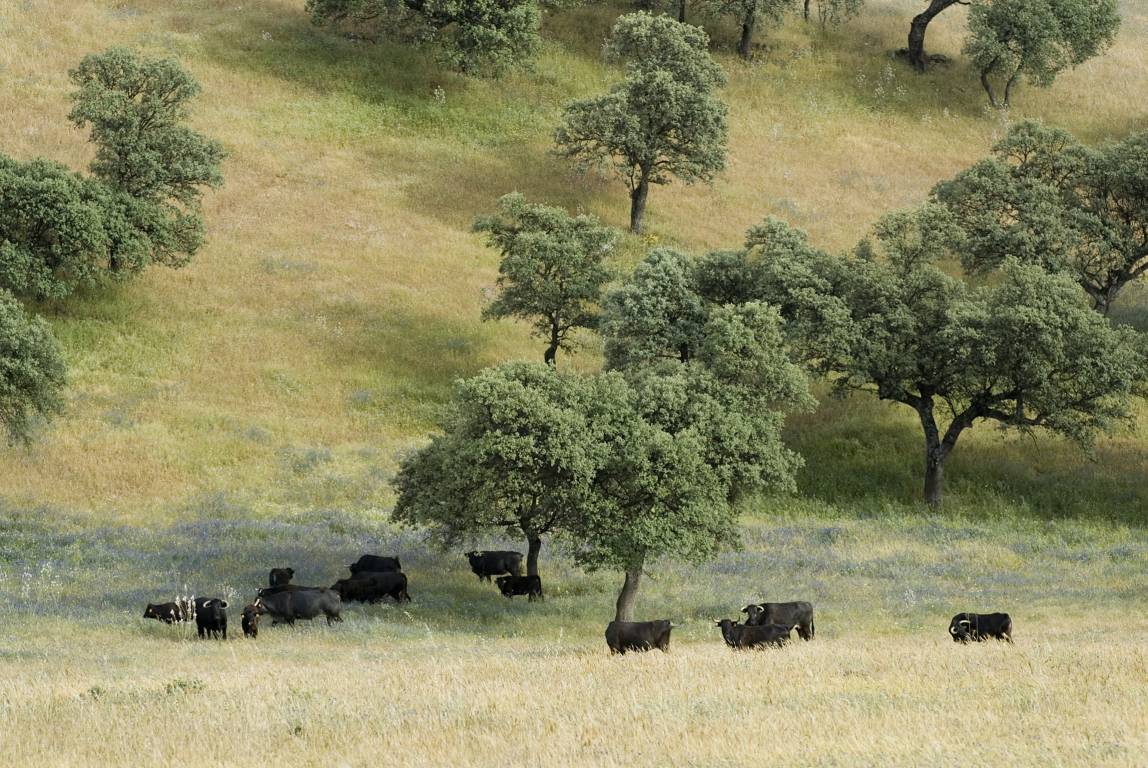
[(978, 627), (494, 563), (375, 564), (753, 635), (531, 586), (373, 587), (624, 636), (797, 614), (288, 606)]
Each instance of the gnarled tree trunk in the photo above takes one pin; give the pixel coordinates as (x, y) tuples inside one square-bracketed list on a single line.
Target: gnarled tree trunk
[(624, 610), (555, 341), (917, 56), (534, 546), (682, 11), (746, 42), (638, 204)]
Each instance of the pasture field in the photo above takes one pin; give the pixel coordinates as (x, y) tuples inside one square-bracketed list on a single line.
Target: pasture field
[(464, 673), (248, 412)]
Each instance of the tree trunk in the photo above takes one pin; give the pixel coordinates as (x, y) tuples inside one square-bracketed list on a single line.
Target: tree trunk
[(934, 476), (1008, 88), (747, 25), (534, 546), (988, 86), (917, 56), (638, 204), (624, 610), (552, 350), (805, 11), (682, 11)]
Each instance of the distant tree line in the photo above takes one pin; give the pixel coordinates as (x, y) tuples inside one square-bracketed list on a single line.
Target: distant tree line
[(62, 232), (1008, 40)]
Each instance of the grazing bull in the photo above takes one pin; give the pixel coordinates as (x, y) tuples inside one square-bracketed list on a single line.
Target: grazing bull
[(373, 587), (211, 617), (250, 621), (531, 586), (624, 636), (286, 607), (798, 614), (753, 635), (280, 576), (375, 564), (491, 563), (168, 613), (978, 627)]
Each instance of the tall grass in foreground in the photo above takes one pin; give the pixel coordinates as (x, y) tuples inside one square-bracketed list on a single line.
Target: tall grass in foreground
[(1070, 694)]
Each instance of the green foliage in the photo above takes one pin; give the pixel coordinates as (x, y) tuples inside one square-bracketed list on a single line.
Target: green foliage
[(1044, 198), (58, 229), (1038, 39), (663, 120), (520, 447), (711, 384), (552, 269), (473, 35), (749, 14), (135, 108), (655, 314), (1025, 352), (31, 371)]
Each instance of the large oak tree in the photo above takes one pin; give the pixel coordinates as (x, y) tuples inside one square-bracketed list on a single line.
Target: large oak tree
[(663, 121)]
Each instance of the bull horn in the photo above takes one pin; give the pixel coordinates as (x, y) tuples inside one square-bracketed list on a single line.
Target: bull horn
[(963, 621), (952, 631)]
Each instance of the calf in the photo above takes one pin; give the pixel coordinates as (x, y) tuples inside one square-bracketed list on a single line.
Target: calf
[(979, 627), (250, 621), (280, 576), (753, 635), (492, 563), (168, 613), (531, 586), (624, 636), (287, 606), (375, 564), (373, 587), (211, 617), (798, 614)]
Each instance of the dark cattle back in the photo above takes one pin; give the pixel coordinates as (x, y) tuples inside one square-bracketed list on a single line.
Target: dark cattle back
[(373, 587), (168, 613), (487, 563), (509, 586), (375, 564), (753, 635), (623, 636), (978, 627), (796, 614), (287, 606)]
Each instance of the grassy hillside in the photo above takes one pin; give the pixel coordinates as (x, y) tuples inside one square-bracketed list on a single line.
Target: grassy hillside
[(247, 412), (317, 333)]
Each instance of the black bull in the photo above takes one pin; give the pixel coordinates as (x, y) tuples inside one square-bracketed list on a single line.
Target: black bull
[(797, 614)]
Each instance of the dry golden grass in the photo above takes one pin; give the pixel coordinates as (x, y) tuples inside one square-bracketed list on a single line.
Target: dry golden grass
[(340, 292), (1069, 693)]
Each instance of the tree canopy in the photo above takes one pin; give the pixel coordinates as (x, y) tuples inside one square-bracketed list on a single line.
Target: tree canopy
[(1044, 198), (32, 371), (663, 121), (520, 447), (750, 14), (1025, 352), (1036, 39), (473, 36), (552, 270), (136, 109)]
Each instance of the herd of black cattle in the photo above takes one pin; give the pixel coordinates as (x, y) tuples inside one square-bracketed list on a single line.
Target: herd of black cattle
[(374, 577)]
